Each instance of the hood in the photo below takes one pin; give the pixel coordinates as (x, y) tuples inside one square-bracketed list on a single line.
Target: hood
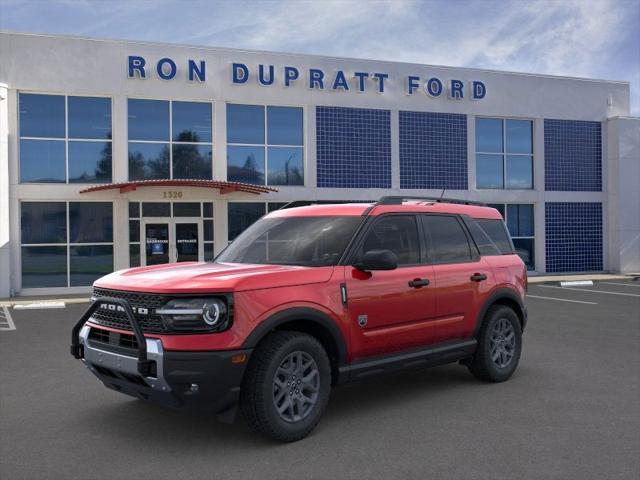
[(195, 277)]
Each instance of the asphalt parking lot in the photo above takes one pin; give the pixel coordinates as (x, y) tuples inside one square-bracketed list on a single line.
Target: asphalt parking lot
[(572, 411)]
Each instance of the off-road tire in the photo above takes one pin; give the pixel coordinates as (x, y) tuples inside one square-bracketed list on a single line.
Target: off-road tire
[(482, 365), (257, 392)]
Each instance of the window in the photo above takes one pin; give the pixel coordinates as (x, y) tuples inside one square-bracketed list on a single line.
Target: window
[(398, 233), (65, 244), (447, 240), (170, 140), (65, 139), (504, 153), (308, 241), (520, 223), (265, 144), (495, 231), (241, 216)]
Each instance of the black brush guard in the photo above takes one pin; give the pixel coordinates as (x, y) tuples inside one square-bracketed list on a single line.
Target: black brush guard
[(144, 365)]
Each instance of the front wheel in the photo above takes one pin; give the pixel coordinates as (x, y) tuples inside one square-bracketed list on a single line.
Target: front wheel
[(499, 345), (286, 388)]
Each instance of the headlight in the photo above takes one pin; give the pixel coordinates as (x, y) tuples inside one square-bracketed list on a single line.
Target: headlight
[(195, 314)]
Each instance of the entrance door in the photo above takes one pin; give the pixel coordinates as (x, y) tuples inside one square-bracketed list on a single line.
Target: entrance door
[(169, 240)]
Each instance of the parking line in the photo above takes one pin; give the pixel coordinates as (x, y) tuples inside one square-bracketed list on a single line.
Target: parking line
[(6, 322), (623, 284), (561, 299), (589, 290)]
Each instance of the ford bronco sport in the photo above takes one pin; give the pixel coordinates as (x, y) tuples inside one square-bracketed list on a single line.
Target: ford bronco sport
[(307, 298)]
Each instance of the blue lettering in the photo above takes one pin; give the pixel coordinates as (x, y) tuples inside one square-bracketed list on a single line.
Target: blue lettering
[(340, 81), (479, 90), (380, 77), (290, 74), (316, 77), (261, 79), (161, 71), (362, 77), (136, 64), (237, 76), (412, 84), (196, 72), (455, 90), (433, 87)]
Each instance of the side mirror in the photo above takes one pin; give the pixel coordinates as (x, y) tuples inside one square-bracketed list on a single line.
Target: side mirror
[(377, 260)]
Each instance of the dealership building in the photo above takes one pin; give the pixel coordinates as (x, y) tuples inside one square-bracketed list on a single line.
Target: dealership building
[(116, 154)]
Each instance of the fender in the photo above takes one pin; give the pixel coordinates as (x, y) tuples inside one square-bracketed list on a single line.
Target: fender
[(299, 313), (499, 294)]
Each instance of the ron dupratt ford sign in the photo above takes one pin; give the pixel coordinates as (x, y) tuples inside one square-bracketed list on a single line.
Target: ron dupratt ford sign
[(314, 78)]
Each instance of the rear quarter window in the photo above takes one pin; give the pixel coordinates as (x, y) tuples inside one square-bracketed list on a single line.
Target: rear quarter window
[(495, 241)]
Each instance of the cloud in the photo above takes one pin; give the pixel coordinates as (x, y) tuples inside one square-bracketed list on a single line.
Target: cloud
[(589, 38)]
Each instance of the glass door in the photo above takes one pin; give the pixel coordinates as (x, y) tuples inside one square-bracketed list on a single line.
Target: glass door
[(156, 242), (188, 240)]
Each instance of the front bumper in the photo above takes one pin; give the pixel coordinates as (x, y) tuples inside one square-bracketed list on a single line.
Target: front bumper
[(204, 380)]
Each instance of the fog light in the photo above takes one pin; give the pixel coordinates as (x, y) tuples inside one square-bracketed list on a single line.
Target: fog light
[(194, 388)]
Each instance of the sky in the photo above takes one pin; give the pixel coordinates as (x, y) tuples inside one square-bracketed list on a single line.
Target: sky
[(579, 38)]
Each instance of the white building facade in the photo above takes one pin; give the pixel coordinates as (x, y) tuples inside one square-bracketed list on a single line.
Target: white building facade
[(116, 154)]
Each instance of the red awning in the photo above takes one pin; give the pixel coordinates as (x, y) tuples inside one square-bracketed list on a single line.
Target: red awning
[(224, 187)]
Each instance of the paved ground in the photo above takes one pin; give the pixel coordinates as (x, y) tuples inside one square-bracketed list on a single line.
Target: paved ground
[(572, 411)]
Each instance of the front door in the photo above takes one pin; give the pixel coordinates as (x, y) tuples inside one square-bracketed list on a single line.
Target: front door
[(391, 310), (168, 240)]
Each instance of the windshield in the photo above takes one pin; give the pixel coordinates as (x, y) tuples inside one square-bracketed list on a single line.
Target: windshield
[(305, 241)]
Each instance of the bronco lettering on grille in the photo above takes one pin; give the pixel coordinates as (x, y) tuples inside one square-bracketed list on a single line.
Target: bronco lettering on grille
[(118, 308)]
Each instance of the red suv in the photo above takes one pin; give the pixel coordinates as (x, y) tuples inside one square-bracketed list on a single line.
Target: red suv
[(307, 298)]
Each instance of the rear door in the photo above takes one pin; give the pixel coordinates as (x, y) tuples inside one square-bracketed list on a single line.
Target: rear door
[(389, 310), (461, 276)]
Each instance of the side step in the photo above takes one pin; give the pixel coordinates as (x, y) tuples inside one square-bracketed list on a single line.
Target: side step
[(427, 357)]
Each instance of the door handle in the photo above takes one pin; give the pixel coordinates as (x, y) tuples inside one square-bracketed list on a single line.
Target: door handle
[(478, 277), (418, 282)]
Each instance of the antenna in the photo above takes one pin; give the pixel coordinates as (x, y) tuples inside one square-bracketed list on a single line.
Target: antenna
[(442, 195)]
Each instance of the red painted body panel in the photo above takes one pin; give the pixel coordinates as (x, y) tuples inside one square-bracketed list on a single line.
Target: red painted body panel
[(398, 316)]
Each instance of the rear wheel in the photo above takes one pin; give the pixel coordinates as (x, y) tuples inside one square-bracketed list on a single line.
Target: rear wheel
[(287, 386), (499, 345)]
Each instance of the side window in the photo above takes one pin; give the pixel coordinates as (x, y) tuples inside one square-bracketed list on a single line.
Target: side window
[(448, 241), (398, 233), (496, 232)]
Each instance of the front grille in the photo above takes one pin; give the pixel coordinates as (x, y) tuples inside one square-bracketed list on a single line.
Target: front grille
[(107, 338), (115, 319)]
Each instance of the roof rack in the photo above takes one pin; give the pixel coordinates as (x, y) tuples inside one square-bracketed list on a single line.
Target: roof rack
[(397, 200), (304, 203)]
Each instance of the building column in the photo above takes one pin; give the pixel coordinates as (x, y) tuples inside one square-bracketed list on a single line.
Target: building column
[(5, 244), (539, 227)]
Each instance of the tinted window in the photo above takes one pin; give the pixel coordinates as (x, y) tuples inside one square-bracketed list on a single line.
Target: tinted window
[(42, 161), (156, 209), (245, 164), (90, 222), (309, 241), (134, 230), (44, 222), (207, 210), (42, 116), (242, 215), (245, 124), (208, 230), (44, 267), (89, 117), (191, 122), (519, 136), (148, 161), (285, 166), (186, 209), (497, 233), (134, 255), (520, 220), (524, 249), (89, 162), (134, 210), (90, 262), (485, 244), (397, 233), (148, 120), (447, 240), (284, 126), (489, 135), (192, 161)]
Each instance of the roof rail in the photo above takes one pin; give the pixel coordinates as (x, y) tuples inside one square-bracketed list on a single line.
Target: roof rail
[(304, 203), (397, 200)]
